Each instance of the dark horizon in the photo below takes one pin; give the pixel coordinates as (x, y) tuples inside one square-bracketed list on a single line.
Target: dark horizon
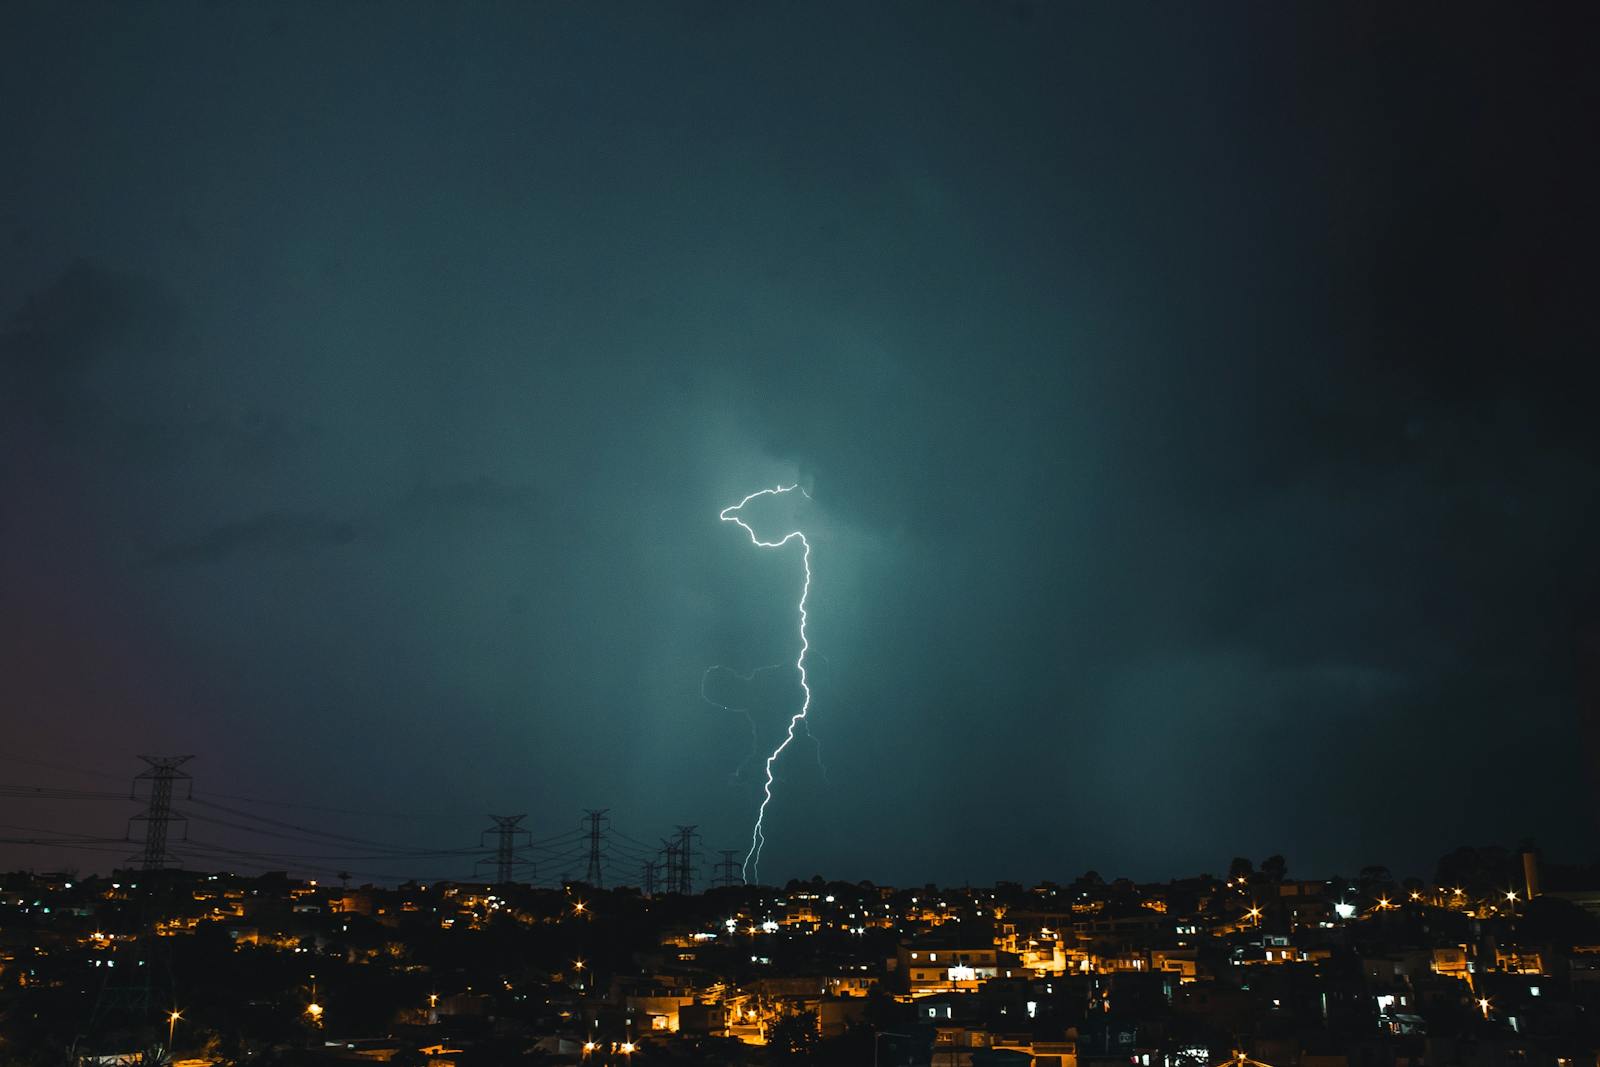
[(549, 859)]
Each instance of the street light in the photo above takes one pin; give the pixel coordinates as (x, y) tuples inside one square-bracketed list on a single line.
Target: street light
[(1483, 1005), (314, 1010), (172, 1023)]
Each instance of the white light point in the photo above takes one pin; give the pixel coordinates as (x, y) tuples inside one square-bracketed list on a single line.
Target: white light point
[(752, 859)]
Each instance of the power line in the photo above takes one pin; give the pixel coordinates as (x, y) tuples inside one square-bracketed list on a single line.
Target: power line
[(47, 792), (395, 851), (726, 869), (334, 810), (61, 767), (670, 864), (596, 818), (162, 774), (505, 831), (206, 853), (62, 833), (686, 868), (310, 831), (595, 842)]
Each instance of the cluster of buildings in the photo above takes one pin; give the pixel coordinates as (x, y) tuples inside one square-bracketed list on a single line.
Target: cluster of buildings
[(214, 968)]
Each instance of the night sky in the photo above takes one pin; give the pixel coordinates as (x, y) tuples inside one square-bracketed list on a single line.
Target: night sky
[(1197, 405)]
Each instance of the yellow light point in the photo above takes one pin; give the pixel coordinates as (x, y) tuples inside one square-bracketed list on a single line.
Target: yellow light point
[(627, 1048), (1458, 891), (578, 964), (314, 1010), (579, 907), (1511, 896), (173, 1017), (589, 1046), (1416, 896), (1483, 1004), (1383, 902)]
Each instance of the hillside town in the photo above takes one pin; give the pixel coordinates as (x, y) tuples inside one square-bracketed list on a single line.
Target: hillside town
[(1494, 960)]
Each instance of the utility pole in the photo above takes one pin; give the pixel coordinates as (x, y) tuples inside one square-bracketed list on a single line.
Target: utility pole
[(670, 849), (505, 830), (686, 860), (647, 881), (163, 771), (725, 870), (596, 818), (128, 996)]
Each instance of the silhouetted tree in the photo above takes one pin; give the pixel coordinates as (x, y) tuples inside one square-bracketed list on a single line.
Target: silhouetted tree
[(1553, 921), (1479, 871), (793, 1038), (1375, 880)]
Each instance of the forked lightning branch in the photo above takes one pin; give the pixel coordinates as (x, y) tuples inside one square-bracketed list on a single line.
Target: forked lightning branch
[(752, 859)]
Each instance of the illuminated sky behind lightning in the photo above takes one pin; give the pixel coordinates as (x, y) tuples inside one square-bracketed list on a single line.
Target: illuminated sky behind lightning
[(752, 860)]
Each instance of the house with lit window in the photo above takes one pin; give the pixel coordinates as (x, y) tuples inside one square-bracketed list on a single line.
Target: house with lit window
[(945, 962)]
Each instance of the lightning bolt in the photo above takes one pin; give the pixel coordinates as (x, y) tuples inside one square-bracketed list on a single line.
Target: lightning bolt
[(752, 859), (755, 737)]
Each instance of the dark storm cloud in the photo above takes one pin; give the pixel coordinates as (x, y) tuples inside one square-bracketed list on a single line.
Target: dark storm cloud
[(91, 323), (288, 531), (276, 532), (87, 314)]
